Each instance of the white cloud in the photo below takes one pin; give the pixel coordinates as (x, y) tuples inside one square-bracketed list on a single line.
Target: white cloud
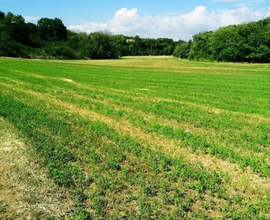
[(30, 18), (183, 26), (268, 15)]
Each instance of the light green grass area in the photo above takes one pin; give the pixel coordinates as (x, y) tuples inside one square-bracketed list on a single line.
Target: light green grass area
[(147, 137)]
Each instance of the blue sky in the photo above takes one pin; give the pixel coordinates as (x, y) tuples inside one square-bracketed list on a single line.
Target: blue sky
[(148, 18)]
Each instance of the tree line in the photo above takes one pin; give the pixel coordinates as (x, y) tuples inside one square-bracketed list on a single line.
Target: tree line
[(49, 38), (248, 42)]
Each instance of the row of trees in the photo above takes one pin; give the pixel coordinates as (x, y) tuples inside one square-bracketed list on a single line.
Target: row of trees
[(51, 39), (105, 45), (236, 43)]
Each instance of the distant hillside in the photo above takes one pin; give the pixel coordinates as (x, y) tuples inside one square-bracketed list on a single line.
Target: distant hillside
[(248, 42)]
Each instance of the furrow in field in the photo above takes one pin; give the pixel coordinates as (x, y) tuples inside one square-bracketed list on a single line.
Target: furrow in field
[(138, 96), (243, 151), (240, 151), (125, 130), (188, 67), (195, 207), (241, 180), (254, 118), (29, 74), (241, 148), (20, 82), (134, 189)]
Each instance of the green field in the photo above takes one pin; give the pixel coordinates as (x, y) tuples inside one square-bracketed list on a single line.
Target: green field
[(145, 137)]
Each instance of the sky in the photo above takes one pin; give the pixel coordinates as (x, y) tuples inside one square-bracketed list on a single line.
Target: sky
[(174, 19)]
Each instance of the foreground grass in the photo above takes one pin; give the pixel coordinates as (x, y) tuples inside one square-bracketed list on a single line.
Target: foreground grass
[(146, 137), (25, 190)]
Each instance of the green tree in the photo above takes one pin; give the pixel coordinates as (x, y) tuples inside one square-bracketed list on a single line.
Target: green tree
[(51, 29), (121, 44), (2, 16), (101, 46), (235, 43), (200, 49), (182, 49), (15, 27)]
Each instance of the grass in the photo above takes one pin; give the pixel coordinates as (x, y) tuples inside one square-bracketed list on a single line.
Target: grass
[(26, 192), (144, 137)]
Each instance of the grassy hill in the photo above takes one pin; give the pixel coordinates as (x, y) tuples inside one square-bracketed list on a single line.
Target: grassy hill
[(141, 137)]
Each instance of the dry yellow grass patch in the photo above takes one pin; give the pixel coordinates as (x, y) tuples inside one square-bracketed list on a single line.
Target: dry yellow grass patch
[(25, 191), (29, 74), (67, 80)]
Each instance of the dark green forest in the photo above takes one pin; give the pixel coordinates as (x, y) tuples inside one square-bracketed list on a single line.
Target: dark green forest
[(50, 39), (249, 42)]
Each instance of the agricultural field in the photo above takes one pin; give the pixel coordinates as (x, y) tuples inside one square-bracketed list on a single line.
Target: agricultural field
[(134, 138)]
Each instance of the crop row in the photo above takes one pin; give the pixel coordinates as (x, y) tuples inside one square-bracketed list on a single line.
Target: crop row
[(81, 153), (114, 175), (246, 140), (231, 89), (179, 112), (196, 142)]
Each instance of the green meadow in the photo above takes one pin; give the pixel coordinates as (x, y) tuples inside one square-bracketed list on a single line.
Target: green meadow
[(138, 138)]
